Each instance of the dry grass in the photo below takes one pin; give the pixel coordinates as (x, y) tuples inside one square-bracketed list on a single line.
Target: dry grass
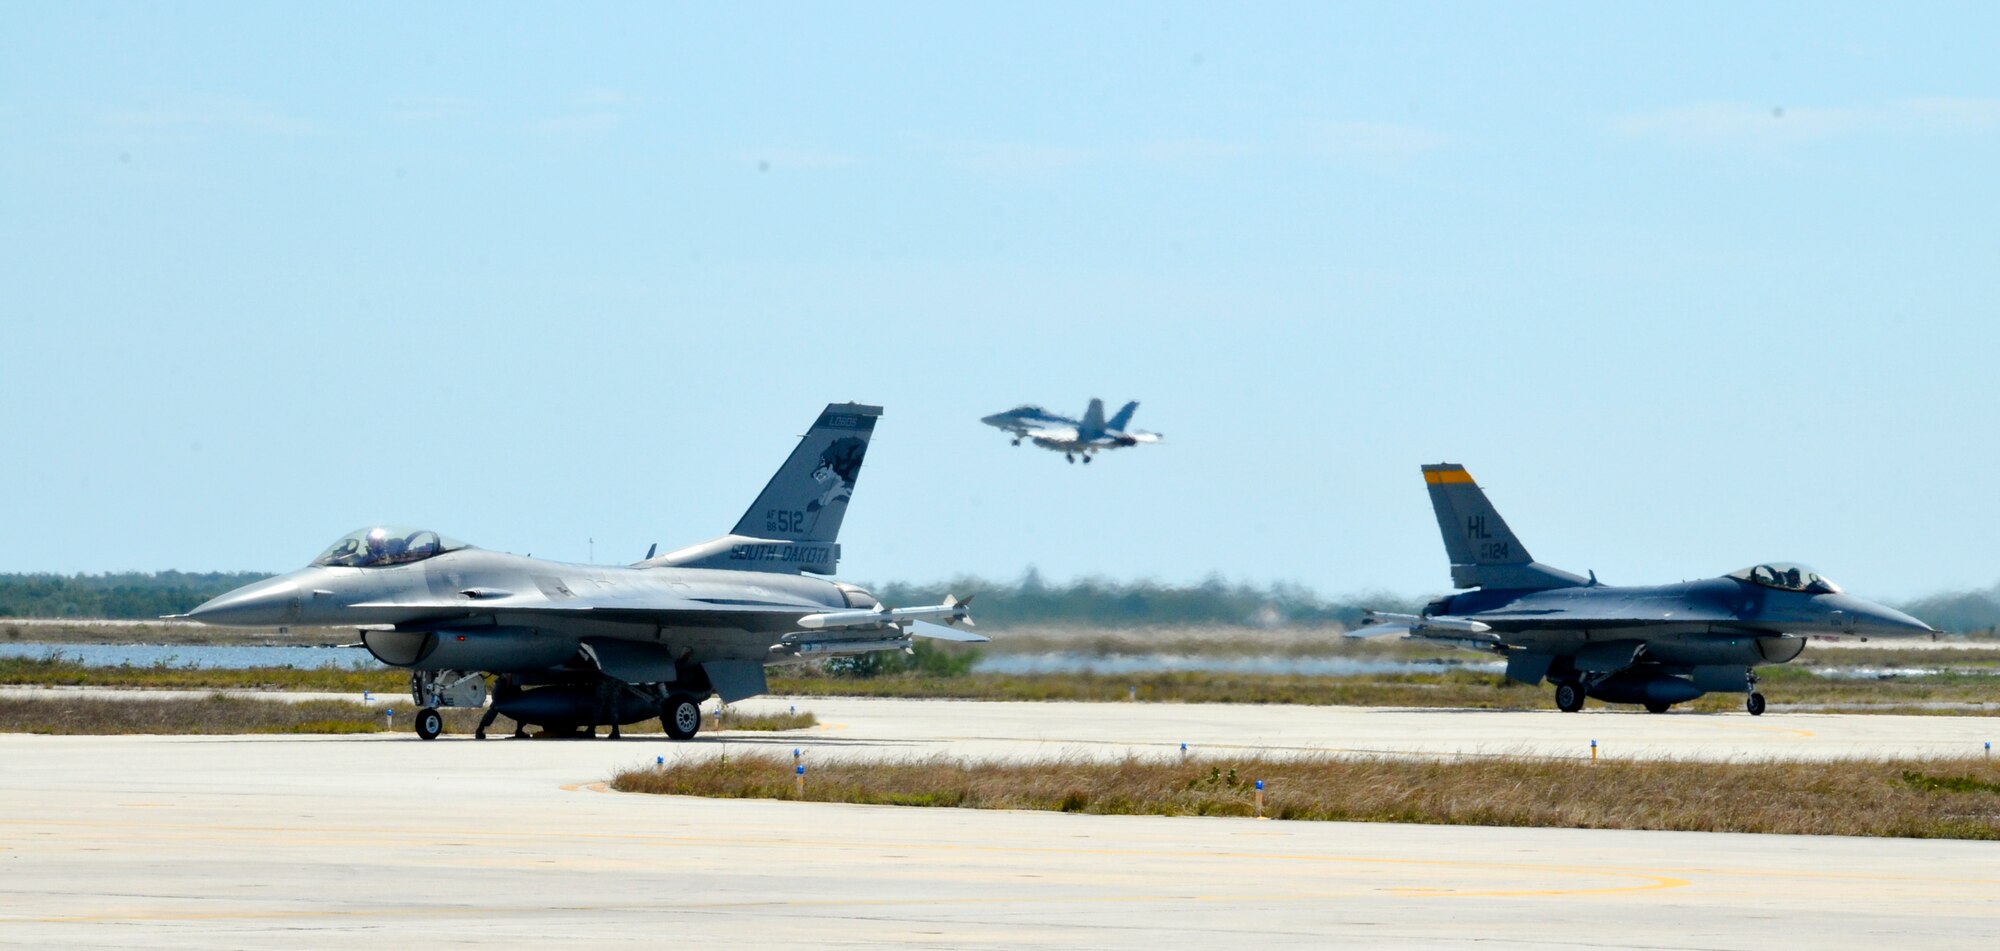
[(1948, 693), (219, 714), (61, 672), (1952, 798)]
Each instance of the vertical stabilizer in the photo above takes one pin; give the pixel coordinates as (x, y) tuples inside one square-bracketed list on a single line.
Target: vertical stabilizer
[(795, 522), (1124, 417), (1484, 552), (1092, 426)]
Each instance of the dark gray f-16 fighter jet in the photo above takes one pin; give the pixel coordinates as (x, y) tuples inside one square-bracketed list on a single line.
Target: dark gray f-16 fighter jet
[(594, 644), (1656, 646)]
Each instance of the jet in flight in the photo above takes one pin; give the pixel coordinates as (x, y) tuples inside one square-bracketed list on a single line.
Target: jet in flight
[(1072, 437), (1658, 645), (590, 644)]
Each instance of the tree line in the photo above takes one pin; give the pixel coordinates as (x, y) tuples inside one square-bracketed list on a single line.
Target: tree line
[(1028, 600)]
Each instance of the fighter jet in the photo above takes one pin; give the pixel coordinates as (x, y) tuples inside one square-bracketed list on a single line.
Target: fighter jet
[(1657, 646), (591, 644), (1072, 437)]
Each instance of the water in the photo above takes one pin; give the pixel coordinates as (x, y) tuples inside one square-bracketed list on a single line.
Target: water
[(206, 657), (236, 657), (1071, 663)]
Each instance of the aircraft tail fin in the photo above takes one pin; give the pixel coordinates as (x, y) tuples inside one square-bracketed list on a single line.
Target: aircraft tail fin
[(1484, 552), (1093, 421), (795, 522), (1124, 417)]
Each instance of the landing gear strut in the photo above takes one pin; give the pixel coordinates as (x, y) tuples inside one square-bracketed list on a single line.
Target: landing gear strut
[(1755, 702)]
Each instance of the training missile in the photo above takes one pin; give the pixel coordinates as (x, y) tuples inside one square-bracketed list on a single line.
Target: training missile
[(852, 646)]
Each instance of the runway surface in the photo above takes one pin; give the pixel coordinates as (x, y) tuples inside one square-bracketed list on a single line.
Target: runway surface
[(340, 841), (983, 730)]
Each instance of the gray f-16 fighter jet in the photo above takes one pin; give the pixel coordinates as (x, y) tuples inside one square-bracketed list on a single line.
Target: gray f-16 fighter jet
[(591, 644), (1072, 437), (1657, 645)]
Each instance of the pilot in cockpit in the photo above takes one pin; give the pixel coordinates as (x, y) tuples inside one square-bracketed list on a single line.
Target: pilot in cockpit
[(383, 548)]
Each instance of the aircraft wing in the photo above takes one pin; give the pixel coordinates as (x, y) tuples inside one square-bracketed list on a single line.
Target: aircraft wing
[(651, 608)]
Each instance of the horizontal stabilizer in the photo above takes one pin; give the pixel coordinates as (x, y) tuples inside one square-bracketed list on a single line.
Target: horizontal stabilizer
[(939, 632)]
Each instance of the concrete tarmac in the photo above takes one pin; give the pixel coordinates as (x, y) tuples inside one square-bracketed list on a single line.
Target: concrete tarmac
[(875, 728), (122, 842)]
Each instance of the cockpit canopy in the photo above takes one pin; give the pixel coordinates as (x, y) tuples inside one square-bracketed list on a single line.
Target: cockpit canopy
[(383, 545), (1787, 576)]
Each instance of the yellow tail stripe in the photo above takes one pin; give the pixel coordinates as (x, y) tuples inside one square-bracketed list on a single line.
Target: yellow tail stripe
[(1446, 476)]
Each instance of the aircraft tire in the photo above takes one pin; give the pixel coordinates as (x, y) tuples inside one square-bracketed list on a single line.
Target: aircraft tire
[(681, 716), (1569, 696), (429, 723), (1755, 704), (1658, 707)]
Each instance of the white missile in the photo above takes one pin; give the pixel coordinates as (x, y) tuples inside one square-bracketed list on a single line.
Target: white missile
[(1418, 623), (952, 611)]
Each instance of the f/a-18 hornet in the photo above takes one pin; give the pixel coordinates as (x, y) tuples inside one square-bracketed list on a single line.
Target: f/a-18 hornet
[(1071, 437), (1657, 646), (587, 644)]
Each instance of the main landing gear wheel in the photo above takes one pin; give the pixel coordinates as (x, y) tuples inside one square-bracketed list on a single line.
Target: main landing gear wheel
[(1569, 696), (1658, 707), (1069, 458), (430, 723), (1755, 704), (681, 715)]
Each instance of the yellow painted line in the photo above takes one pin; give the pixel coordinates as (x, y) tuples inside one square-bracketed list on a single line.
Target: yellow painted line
[(1653, 883)]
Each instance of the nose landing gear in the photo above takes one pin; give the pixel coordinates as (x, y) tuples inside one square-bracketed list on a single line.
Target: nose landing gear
[(430, 723)]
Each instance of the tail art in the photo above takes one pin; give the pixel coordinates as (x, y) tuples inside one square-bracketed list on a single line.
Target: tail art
[(1484, 552), (794, 524)]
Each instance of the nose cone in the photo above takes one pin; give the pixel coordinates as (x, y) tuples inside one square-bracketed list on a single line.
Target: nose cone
[(1875, 620), (272, 601), (1889, 622), (997, 419)]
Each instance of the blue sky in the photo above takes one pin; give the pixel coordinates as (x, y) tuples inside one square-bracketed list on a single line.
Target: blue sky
[(1686, 286)]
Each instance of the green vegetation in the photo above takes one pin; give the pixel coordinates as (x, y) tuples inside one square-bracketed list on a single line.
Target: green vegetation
[(1096, 603), (128, 594), (1875, 798), (1103, 603), (924, 659)]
